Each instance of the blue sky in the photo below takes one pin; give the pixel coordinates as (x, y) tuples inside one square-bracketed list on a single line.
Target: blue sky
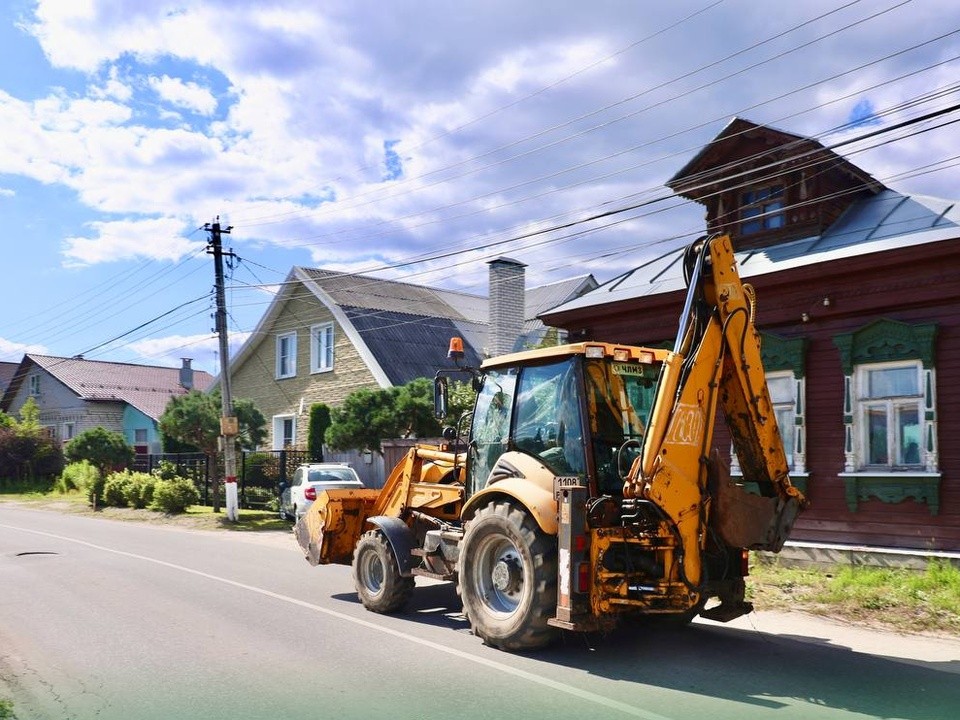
[(371, 137)]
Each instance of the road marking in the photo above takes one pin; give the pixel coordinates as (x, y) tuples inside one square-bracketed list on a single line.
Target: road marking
[(492, 664)]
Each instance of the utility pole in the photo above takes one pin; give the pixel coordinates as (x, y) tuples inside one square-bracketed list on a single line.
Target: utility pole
[(229, 427)]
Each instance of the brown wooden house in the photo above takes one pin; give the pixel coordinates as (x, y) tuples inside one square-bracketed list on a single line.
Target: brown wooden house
[(859, 307)]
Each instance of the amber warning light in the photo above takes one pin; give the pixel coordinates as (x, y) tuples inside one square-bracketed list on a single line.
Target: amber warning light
[(456, 349)]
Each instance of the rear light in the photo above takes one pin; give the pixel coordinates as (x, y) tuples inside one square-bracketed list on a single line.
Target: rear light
[(744, 562), (621, 354), (594, 351), (647, 357), (583, 577), (310, 493)]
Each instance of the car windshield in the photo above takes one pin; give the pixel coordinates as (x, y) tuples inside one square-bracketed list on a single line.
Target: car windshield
[(331, 475)]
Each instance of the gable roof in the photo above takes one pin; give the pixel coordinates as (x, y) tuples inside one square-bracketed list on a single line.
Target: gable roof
[(886, 221), (711, 165), (148, 388), (7, 371), (402, 330)]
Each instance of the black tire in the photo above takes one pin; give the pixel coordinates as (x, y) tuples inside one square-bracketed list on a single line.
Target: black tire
[(376, 575), (507, 578)]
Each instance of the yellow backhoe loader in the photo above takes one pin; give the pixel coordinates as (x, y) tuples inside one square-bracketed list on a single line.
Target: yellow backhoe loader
[(587, 490)]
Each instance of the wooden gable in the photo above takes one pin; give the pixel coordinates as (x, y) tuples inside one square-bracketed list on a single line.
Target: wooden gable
[(765, 186)]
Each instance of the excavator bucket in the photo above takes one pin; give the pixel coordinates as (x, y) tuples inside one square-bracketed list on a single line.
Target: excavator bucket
[(330, 529), (745, 520)]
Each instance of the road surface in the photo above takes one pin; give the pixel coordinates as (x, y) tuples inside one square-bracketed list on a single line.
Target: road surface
[(109, 620)]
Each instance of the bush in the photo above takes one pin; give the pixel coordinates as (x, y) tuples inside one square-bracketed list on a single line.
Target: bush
[(115, 489), (95, 491), (259, 497), (76, 476), (140, 489), (174, 496)]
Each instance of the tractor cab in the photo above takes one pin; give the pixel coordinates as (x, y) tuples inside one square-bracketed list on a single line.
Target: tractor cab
[(581, 410)]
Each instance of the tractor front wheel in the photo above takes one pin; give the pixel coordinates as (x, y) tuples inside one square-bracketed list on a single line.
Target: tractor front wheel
[(376, 575)]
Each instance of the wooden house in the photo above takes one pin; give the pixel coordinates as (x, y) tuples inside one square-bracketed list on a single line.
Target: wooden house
[(858, 291)]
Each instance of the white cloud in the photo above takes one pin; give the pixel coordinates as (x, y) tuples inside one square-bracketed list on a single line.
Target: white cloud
[(7, 192), (187, 95), (156, 239), (11, 351), (202, 349)]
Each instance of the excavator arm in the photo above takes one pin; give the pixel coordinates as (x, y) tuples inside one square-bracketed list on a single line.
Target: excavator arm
[(715, 361)]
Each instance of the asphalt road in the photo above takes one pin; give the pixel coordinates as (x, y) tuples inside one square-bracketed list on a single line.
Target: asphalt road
[(109, 620)]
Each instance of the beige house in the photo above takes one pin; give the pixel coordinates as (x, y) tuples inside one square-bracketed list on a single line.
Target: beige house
[(327, 334)]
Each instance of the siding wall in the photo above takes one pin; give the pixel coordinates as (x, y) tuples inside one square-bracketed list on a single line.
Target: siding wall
[(256, 378)]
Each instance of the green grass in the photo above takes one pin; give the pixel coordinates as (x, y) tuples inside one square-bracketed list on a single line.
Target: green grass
[(903, 599), (6, 710), (198, 516)]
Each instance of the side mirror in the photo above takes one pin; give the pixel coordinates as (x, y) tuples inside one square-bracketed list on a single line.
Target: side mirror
[(282, 486), (440, 397)]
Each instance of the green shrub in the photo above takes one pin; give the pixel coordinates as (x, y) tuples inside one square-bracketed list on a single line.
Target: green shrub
[(165, 470), (140, 489), (174, 496), (258, 497), (76, 476), (6, 710), (116, 488), (94, 491)]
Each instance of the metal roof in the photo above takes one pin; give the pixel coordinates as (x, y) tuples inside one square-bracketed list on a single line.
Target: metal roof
[(146, 387), (886, 221)]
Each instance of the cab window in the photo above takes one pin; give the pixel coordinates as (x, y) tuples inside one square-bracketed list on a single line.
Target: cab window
[(490, 432), (548, 421)]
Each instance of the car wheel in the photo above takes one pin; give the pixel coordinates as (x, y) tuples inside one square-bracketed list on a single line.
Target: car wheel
[(508, 577), (376, 575)]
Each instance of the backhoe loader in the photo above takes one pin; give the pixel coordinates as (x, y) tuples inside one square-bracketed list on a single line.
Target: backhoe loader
[(587, 490)]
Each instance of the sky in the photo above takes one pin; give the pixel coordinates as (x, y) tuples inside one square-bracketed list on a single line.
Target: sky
[(412, 139)]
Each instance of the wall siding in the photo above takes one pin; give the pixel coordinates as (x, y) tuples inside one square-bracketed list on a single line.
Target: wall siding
[(256, 378)]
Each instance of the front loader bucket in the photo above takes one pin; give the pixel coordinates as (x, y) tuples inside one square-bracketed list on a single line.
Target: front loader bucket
[(330, 529)]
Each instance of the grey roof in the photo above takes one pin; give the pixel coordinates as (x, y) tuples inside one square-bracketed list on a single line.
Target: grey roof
[(7, 370), (886, 221), (362, 291), (415, 345), (146, 387)]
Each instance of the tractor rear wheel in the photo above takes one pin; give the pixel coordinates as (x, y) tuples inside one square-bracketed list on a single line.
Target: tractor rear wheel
[(376, 575), (507, 577)]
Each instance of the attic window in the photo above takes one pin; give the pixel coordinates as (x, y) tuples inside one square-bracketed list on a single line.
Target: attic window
[(761, 209)]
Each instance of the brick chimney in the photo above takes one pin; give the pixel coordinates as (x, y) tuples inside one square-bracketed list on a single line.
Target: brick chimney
[(186, 374), (507, 281)]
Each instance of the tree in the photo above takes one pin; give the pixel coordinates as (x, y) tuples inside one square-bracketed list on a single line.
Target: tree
[(104, 449), (194, 420), (317, 432), (364, 419), (367, 417)]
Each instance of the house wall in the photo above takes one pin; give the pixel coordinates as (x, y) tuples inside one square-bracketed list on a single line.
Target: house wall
[(255, 379), (59, 405), (134, 420), (913, 285)]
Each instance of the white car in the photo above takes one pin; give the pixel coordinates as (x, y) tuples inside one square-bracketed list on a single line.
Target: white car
[(309, 481)]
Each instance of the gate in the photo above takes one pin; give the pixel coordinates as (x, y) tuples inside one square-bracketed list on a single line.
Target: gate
[(262, 471)]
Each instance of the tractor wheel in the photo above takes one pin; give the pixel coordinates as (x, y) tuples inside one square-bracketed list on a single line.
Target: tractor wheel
[(508, 577), (376, 575)]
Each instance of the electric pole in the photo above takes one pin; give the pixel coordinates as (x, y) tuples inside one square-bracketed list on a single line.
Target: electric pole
[(229, 427)]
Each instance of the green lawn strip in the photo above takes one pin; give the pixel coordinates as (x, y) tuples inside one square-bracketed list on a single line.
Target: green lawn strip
[(902, 599)]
